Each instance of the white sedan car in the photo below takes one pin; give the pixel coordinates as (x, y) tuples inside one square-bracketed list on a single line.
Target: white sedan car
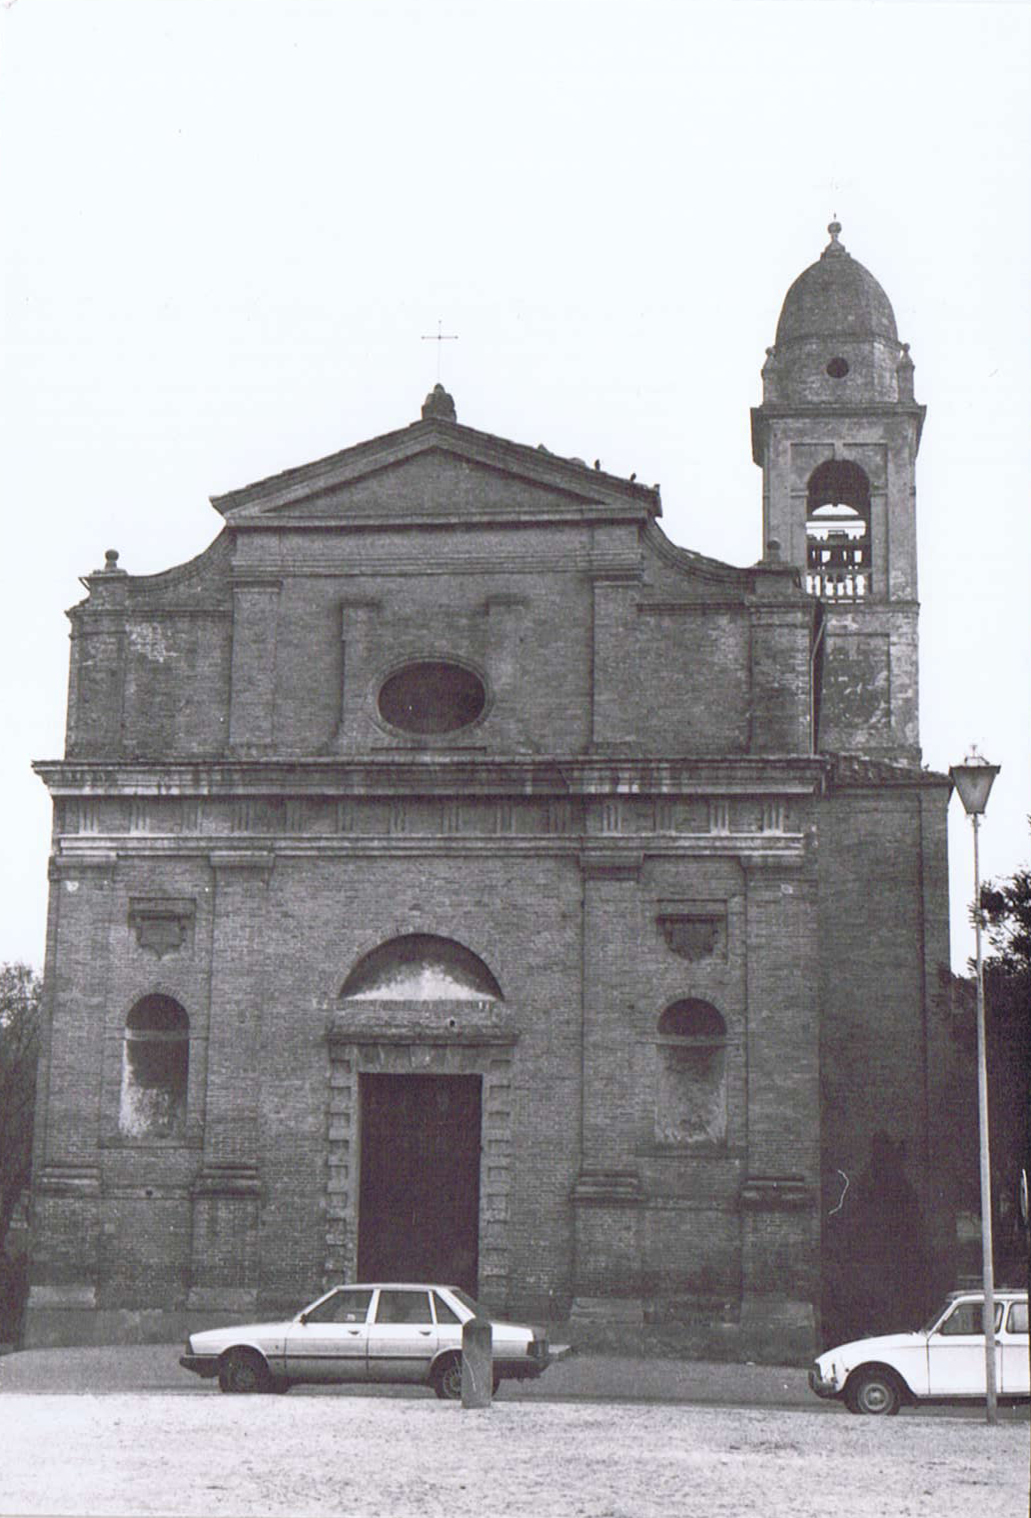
[(367, 1333), (943, 1362)]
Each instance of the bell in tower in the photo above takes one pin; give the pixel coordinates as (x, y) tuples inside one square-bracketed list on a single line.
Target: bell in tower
[(836, 437)]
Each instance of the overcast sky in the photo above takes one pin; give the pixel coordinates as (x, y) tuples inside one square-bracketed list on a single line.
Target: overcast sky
[(228, 225)]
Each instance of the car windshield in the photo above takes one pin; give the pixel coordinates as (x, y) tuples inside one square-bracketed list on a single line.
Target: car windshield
[(925, 1328)]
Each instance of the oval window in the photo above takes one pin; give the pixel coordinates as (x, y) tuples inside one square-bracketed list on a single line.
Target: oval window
[(432, 697), (837, 368)]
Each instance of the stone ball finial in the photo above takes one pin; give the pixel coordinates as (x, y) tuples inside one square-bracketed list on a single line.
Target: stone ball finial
[(110, 564), (439, 404), (905, 370)]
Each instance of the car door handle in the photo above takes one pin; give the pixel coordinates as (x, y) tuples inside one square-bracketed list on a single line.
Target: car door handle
[(354, 1332), (425, 1332)]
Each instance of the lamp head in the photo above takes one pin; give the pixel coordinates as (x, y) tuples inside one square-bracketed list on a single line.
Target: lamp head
[(973, 780)]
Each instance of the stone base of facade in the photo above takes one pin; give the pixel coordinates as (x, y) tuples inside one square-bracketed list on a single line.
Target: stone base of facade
[(772, 1332), (46, 1327), (602, 1310), (60, 1327), (768, 1331), (233, 1302)]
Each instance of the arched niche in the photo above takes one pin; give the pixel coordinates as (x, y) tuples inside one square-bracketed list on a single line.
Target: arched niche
[(421, 967), (691, 1091), (155, 1070)]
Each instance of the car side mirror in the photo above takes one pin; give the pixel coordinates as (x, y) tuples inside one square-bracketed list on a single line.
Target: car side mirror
[(302, 1318)]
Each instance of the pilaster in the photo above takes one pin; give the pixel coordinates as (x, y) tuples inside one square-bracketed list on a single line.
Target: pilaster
[(227, 1191), (253, 677), (505, 619), (780, 1232), (615, 578), (359, 620), (607, 1196)]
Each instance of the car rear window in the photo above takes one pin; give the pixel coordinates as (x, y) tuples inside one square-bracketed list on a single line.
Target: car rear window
[(445, 1314), (1017, 1321), (404, 1307)]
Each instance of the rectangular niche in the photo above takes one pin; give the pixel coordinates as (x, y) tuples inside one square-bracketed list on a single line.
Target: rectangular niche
[(694, 930), (162, 924)]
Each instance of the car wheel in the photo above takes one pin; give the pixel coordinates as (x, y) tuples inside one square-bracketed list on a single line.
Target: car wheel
[(874, 1392), (447, 1379), (280, 1385), (243, 1370)]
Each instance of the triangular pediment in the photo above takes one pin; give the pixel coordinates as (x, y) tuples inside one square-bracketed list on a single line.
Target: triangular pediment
[(436, 471)]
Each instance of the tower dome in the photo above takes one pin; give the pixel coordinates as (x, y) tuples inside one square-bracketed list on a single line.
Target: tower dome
[(836, 297), (836, 340)]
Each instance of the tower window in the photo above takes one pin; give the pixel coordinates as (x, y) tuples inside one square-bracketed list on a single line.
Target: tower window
[(838, 551), (155, 1069), (837, 368)]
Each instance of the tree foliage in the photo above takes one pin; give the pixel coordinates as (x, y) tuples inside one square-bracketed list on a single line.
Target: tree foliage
[(1006, 918), (1006, 913), (21, 991)]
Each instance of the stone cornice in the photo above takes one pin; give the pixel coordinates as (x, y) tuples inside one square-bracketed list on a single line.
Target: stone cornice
[(839, 408), (853, 773), (435, 773), (609, 854), (832, 411)]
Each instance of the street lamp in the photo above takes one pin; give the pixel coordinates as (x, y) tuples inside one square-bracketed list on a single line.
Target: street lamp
[(973, 780)]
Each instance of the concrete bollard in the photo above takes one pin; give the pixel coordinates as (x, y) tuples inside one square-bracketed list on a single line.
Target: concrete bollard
[(477, 1363)]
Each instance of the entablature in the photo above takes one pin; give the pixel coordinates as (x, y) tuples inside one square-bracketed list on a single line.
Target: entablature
[(437, 773)]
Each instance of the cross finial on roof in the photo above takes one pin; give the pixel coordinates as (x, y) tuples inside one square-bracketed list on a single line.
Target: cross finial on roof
[(439, 337)]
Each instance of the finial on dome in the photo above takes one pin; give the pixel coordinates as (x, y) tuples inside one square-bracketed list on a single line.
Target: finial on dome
[(834, 246), (439, 404)]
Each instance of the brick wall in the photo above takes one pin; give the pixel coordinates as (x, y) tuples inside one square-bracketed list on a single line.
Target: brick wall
[(633, 822)]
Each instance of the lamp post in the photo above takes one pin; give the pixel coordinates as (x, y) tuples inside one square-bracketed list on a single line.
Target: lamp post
[(973, 780)]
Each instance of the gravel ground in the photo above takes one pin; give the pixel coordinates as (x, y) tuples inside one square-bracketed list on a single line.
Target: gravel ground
[(386, 1458), (125, 1431)]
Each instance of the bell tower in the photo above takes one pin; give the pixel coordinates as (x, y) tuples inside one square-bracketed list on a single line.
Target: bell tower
[(836, 438)]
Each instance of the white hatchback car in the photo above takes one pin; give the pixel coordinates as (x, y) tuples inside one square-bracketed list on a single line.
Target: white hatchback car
[(394, 1332), (943, 1362)]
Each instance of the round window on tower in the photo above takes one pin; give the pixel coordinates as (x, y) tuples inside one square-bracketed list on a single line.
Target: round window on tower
[(431, 697), (837, 368)]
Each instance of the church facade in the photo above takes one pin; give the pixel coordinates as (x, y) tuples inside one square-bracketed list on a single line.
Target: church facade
[(454, 879)]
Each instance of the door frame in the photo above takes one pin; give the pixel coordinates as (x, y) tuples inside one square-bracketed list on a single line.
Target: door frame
[(463, 1041), (379, 1121)]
